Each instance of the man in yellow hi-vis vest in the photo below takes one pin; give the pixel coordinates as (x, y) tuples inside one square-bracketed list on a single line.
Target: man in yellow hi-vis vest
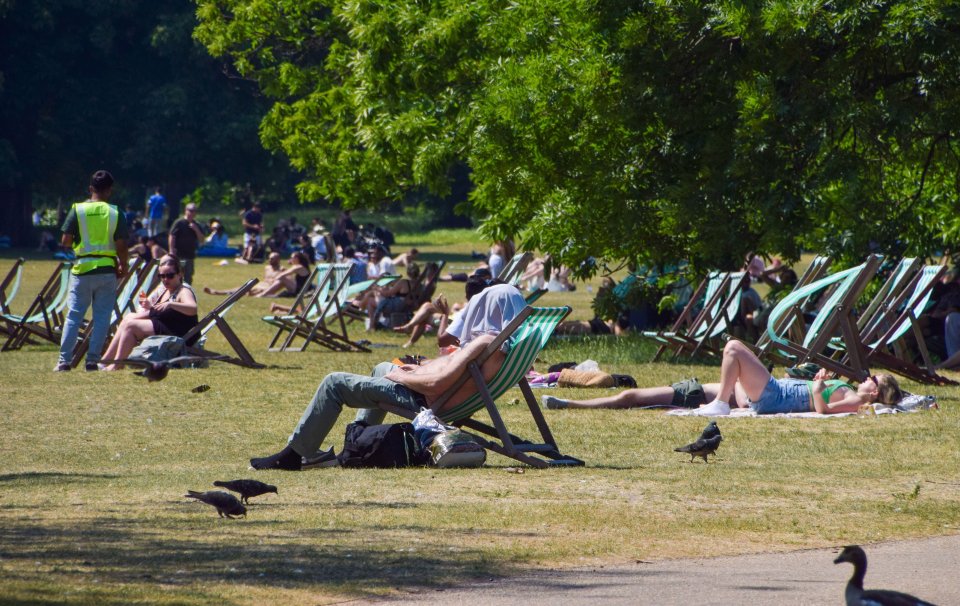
[(97, 233)]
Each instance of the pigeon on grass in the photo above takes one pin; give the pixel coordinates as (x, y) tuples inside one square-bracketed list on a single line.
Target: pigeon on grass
[(855, 595), (246, 488), (227, 505), (709, 431), (158, 370), (701, 448)]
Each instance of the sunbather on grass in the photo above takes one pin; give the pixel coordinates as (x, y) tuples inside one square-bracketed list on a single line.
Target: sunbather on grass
[(745, 382)]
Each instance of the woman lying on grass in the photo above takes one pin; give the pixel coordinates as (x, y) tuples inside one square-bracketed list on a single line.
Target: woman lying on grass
[(745, 382)]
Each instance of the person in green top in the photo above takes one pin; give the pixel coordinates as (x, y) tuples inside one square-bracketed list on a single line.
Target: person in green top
[(97, 233), (745, 382)]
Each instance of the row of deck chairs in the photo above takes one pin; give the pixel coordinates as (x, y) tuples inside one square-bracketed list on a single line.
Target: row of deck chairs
[(44, 317), (841, 338)]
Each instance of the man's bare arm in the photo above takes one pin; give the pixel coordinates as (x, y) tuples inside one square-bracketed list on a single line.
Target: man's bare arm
[(435, 378)]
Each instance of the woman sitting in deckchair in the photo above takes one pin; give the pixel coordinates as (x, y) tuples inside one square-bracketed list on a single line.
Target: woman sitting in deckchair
[(277, 281), (745, 382)]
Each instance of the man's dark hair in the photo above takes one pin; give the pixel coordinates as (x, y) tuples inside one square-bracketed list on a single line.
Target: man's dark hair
[(348, 252), (477, 284), (101, 181)]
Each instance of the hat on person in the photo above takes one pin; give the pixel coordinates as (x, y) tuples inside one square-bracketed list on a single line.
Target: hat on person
[(191, 206), (318, 229)]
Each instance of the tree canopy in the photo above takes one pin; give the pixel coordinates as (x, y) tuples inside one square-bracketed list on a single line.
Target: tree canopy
[(649, 131)]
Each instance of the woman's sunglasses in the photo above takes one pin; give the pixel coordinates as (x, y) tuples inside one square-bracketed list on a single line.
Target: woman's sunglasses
[(167, 276)]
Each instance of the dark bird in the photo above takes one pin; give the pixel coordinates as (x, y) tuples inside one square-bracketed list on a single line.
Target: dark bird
[(701, 448), (709, 431), (855, 594), (157, 370), (246, 488), (226, 504)]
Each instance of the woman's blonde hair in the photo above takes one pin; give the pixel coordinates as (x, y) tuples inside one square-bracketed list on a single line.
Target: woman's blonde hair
[(888, 389)]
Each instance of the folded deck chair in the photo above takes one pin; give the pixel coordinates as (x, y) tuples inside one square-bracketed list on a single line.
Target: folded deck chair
[(9, 288), (527, 334), (44, 316), (721, 304), (816, 270), (197, 335), (834, 318), (127, 289), (886, 337)]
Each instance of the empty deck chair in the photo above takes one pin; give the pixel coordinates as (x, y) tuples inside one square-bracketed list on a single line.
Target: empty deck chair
[(196, 337), (721, 304), (9, 288), (835, 318), (44, 317), (885, 339), (528, 334)]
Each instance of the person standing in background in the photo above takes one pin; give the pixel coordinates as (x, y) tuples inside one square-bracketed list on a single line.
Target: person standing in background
[(185, 237), (97, 233), (156, 205)]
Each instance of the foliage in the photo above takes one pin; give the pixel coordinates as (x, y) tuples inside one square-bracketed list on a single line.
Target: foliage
[(649, 131)]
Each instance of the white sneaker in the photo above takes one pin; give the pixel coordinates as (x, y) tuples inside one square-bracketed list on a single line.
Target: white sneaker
[(713, 409)]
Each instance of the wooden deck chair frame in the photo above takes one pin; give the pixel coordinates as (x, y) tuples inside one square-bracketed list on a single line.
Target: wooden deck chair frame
[(8, 292), (126, 294), (528, 333), (304, 307), (321, 326), (422, 291), (900, 318), (44, 316), (684, 321), (722, 292), (816, 270), (835, 316), (216, 319)]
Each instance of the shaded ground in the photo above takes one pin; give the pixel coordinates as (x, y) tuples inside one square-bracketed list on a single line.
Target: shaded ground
[(926, 568)]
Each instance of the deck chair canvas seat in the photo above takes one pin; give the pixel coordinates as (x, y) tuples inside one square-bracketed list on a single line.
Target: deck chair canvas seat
[(816, 270), (721, 304), (44, 317), (196, 337), (886, 338), (528, 333), (8, 292), (835, 317), (513, 270)]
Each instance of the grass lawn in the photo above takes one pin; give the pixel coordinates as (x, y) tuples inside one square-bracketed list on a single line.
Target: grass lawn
[(93, 467)]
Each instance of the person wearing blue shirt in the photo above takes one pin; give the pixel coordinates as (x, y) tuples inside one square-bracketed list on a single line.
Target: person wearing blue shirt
[(156, 206)]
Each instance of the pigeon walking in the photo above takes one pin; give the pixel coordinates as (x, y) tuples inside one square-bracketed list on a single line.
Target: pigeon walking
[(227, 505), (855, 595), (701, 448), (709, 431), (157, 370), (246, 488)]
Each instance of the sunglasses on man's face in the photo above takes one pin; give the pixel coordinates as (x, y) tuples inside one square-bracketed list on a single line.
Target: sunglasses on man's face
[(167, 276)]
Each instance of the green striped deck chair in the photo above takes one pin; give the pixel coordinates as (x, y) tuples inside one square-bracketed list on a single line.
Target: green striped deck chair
[(316, 286), (8, 292), (527, 334), (835, 317), (721, 304), (886, 339), (197, 336), (44, 316), (513, 270), (816, 270)]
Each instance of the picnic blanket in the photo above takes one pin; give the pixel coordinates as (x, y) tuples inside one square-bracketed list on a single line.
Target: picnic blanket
[(909, 403)]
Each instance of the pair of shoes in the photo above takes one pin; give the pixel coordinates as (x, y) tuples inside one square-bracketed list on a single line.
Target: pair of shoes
[(91, 367), (325, 458), (62, 367)]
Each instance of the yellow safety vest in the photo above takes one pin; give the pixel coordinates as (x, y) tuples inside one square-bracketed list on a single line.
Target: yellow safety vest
[(97, 222)]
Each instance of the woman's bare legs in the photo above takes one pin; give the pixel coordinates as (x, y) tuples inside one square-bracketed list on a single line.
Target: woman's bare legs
[(741, 374), (128, 335), (211, 291), (630, 398), (422, 315), (285, 284)]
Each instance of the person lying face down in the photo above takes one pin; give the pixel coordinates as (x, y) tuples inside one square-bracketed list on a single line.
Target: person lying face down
[(746, 383), (407, 386)]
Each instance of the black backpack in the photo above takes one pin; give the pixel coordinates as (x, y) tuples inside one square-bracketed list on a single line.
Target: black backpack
[(380, 446)]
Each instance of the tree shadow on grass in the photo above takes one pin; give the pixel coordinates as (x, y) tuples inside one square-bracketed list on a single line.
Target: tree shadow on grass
[(201, 553)]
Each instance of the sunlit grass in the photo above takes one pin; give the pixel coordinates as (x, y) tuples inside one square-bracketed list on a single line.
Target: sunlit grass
[(94, 467)]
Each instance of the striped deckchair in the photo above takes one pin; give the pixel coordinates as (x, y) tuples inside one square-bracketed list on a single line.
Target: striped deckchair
[(513, 271), (8, 292), (816, 270), (834, 318), (197, 336), (527, 334), (44, 316)]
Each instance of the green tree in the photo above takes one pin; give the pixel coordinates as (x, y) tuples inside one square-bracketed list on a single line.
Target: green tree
[(647, 131)]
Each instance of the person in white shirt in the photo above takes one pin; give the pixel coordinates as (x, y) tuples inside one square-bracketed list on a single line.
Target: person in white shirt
[(379, 264)]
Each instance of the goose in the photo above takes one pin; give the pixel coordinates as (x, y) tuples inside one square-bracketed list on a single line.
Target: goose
[(855, 595)]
